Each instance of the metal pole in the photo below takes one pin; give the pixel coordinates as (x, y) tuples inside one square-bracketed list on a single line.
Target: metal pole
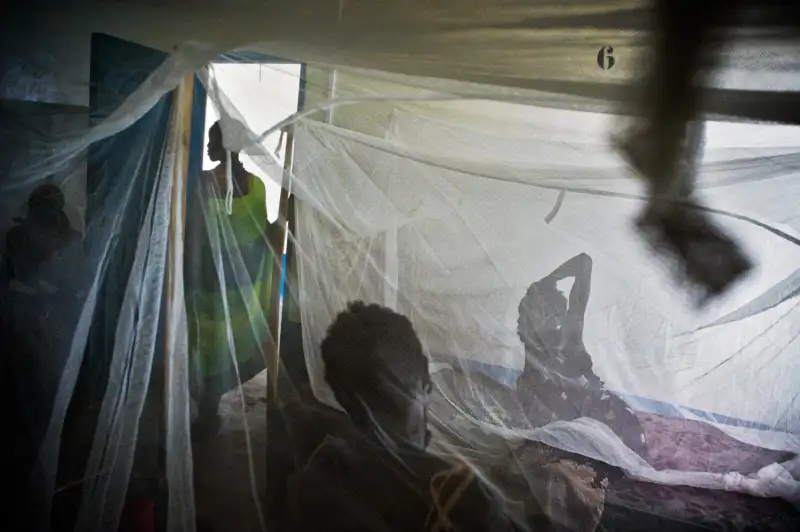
[(278, 245), (331, 96)]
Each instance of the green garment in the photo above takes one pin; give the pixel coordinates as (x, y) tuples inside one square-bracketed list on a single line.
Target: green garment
[(242, 240)]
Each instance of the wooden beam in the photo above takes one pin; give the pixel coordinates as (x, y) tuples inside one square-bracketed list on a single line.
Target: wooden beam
[(182, 112)]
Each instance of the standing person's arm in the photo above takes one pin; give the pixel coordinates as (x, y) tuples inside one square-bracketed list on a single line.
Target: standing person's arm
[(193, 232), (15, 242), (274, 235)]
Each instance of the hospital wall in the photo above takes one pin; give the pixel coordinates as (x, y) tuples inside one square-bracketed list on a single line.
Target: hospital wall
[(44, 87)]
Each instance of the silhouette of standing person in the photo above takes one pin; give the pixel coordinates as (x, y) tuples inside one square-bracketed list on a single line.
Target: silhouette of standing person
[(558, 382), (41, 264), (244, 260)]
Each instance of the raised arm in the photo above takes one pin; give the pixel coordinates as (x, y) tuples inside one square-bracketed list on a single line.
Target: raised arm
[(580, 267), (576, 266)]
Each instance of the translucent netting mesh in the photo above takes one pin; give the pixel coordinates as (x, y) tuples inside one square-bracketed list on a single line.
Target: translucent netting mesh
[(497, 219)]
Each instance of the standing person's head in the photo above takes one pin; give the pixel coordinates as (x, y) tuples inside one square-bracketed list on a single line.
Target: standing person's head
[(216, 150), (217, 154), (378, 372), (46, 204)]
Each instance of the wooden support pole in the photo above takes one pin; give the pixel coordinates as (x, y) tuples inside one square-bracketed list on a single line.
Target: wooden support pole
[(182, 111)]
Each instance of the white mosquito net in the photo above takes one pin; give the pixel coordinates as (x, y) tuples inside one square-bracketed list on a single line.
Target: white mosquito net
[(453, 163)]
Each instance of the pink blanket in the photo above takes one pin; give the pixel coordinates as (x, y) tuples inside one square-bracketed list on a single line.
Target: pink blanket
[(695, 446)]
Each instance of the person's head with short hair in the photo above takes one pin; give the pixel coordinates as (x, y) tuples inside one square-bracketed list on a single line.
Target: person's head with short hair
[(46, 206), (47, 197), (216, 149), (375, 365), (217, 153)]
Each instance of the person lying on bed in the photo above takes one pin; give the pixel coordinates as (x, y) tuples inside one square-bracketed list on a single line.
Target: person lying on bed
[(381, 477), (558, 382)]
